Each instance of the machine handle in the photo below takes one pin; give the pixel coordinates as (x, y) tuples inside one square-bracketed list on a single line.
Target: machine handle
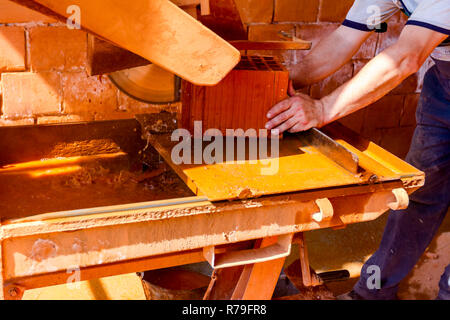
[(326, 211), (399, 199), (280, 249)]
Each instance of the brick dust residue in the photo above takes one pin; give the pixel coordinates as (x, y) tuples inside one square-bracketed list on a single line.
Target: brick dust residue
[(93, 184)]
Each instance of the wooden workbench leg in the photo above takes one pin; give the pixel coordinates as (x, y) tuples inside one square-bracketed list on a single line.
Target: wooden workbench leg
[(2, 285), (7, 292), (250, 282), (258, 281), (224, 283), (12, 292), (309, 277), (304, 261)]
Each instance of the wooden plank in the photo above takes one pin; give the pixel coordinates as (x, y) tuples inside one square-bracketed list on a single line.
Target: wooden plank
[(165, 35), (304, 260), (104, 57), (36, 6), (13, 13), (225, 283), (205, 7), (186, 3), (258, 281), (271, 45)]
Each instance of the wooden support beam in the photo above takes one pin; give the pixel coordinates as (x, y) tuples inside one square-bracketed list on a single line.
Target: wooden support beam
[(2, 285), (271, 45), (224, 284), (258, 281), (304, 260), (309, 277), (104, 57), (205, 7)]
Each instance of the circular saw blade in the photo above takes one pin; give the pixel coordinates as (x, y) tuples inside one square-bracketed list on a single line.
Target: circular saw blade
[(150, 84)]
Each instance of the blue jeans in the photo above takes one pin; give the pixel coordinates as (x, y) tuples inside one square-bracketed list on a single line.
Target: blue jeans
[(409, 232)]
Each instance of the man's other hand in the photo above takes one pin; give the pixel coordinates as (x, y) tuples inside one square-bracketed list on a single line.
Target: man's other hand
[(297, 113)]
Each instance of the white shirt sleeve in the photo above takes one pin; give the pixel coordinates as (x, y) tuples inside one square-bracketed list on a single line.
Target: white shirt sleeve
[(366, 15), (432, 14)]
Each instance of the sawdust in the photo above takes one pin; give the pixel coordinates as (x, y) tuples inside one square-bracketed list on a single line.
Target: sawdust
[(92, 185), (83, 148)]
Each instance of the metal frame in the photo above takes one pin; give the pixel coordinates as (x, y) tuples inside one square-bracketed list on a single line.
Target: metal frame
[(40, 253), (116, 240)]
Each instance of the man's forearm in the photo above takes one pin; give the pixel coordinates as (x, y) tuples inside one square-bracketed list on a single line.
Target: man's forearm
[(383, 73), (378, 77), (329, 55)]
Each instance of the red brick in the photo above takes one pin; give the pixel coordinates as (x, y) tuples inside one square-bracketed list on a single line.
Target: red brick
[(113, 115), (409, 85), (57, 48), (64, 119), (27, 94), (296, 10), (264, 32), (11, 12), (12, 49), (397, 140), (355, 120), (334, 10), (368, 48), (408, 117), (88, 95), (13, 123), (313, 33), (252, 11), (374, 135), (358, 65), (389, 37), (246, 93), (385, 113), (331, 83), (271, 32)]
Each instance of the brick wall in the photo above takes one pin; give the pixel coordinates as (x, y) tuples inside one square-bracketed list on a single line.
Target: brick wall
[(44, 80)]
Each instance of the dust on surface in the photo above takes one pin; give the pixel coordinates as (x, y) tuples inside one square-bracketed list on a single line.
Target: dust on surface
[(91, 184)]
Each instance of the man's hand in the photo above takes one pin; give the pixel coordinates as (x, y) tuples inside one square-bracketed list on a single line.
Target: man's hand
[(295, 114)]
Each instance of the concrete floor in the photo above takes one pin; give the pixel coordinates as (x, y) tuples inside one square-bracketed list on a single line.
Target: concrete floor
[(349, 248)]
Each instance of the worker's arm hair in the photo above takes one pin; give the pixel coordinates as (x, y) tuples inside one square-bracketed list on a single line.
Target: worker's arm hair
[(328, 56), (383, 73)]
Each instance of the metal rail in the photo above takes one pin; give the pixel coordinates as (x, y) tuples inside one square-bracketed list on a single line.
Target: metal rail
[(109, 209)]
